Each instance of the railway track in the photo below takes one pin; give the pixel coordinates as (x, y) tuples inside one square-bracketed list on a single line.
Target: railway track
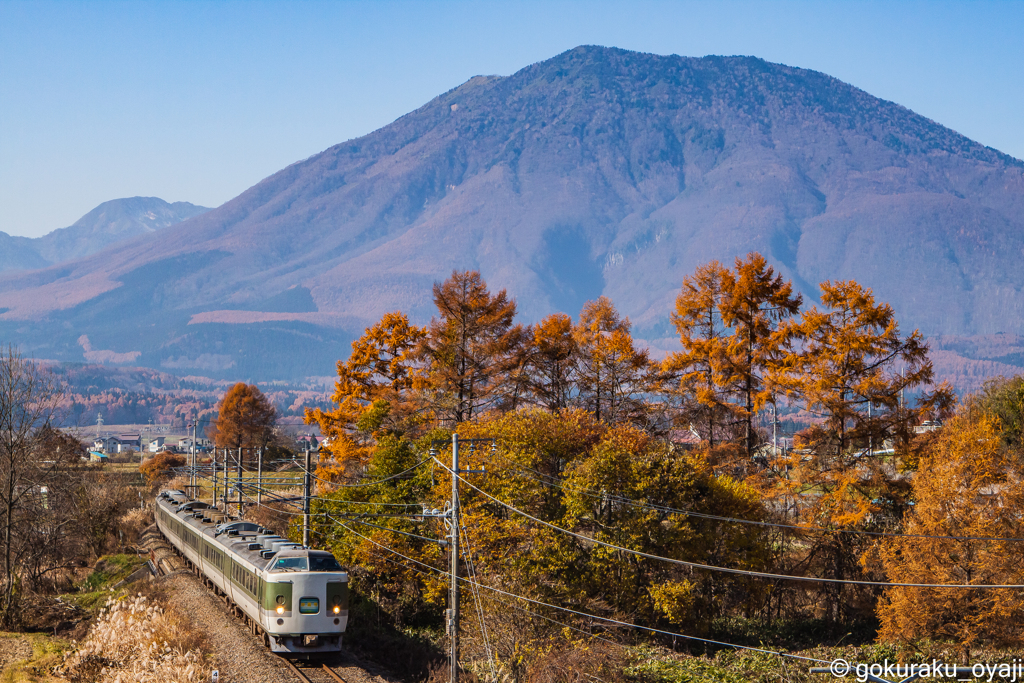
[(311, 673)]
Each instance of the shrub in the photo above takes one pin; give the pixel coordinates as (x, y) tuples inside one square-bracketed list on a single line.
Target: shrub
[(159, 466)]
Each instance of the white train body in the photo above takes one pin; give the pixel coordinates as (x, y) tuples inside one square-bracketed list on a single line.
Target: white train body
[(296, 598)]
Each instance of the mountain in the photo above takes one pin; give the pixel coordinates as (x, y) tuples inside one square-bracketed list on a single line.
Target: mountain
[(107, 224), (600, 171)]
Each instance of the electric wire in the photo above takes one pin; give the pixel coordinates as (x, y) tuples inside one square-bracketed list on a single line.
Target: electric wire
[(594, 616), (572, 611), (690, 513), (370, 483), (468, 555), (727, 570)]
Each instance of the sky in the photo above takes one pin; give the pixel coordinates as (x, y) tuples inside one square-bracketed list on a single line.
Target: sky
[(197, 101)]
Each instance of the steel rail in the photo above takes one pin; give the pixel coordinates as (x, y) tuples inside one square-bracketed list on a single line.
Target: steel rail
[(295, 670), (330, 672)]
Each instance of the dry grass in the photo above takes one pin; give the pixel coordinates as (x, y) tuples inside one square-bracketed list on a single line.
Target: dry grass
[(136, 640), (134, 522)]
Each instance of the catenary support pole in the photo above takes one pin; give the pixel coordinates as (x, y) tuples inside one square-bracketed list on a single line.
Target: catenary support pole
[(259, 477), (192, 479), (213, 463), (305, 502), (238, 482), (227, 468), (453, 625)]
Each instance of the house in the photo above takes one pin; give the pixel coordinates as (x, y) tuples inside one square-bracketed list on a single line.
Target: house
[(129, 442), (106, 444), (185, 445), (307, 441), (156, 444)]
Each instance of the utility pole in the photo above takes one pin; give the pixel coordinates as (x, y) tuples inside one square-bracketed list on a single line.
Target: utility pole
[(453, 615), (454, 523), (226, 468), (305, 502)]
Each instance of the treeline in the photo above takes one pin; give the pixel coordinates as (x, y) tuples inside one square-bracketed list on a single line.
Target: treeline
[(664, 458), (121, 406), (56, 512)]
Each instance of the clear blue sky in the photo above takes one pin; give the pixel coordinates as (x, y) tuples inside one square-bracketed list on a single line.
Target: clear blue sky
[(196, 101)]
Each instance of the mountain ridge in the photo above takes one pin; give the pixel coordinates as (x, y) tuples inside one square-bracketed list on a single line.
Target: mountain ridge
[(599, 171), (109, 223)]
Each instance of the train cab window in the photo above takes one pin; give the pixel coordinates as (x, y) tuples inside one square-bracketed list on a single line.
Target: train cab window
[(323, 563), (289, 564)]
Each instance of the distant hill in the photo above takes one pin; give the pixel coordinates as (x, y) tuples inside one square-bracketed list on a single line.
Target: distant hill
[(600, 171), (107, 224)]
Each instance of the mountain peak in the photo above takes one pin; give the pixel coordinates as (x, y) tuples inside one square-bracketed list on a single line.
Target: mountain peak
[(111, 222), (597, 172)]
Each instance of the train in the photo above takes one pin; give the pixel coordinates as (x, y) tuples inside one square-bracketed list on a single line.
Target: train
[(295, 598)]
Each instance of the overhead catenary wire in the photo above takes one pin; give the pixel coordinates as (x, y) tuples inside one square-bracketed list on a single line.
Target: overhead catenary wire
[(560, 484), (285, 482), (477, 584), (727, 570), (504, 602), (371, 483), (594, 616)]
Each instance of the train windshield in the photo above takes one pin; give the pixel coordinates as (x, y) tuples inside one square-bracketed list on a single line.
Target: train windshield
[(323, 563), (314, 563), (289, 564)]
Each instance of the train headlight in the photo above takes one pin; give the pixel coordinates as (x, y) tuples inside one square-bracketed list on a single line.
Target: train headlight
[(280, 609), (337, 609)]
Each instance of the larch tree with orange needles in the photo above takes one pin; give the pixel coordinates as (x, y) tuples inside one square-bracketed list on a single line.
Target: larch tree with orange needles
[(851, 371), (611, 372), (756, 309), (697, 374), (969, 486), (373, 389), (245, 419), (552, 352), (469, 348)]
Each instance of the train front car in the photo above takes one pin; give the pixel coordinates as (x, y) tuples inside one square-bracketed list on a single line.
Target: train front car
[(305, 601), (296, 598)]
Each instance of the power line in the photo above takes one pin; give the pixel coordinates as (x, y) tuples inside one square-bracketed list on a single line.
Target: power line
[(477, 584), (729, 570), (690, 513), (371, 483), (594, 616)]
